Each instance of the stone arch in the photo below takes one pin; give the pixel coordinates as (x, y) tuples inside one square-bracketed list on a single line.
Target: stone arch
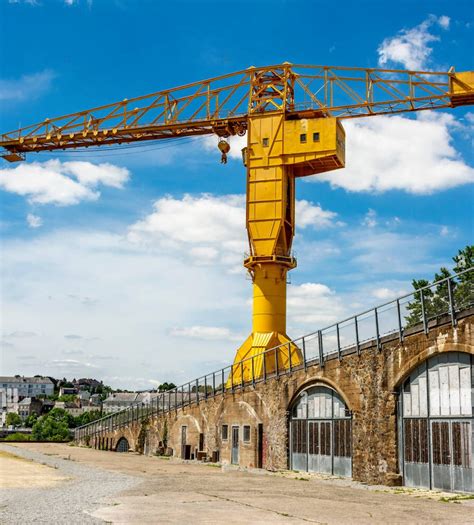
[(320, 381), (414, 362), (122, 445)]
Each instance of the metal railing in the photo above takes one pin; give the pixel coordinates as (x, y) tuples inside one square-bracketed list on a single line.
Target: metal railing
[(448, 296)]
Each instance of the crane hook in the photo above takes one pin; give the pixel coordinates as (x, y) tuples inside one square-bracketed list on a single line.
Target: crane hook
[(224, 148)]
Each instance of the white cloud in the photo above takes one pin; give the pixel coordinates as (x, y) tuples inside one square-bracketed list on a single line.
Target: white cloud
[(210, 228), (61, 183), (444, 21), (370, 219), (313, 305), (207, 333), (308, 214), (34, 221), (385, 294), (399, 153), (411, 47), (27, 87)]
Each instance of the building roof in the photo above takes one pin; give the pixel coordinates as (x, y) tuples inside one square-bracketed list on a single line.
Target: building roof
[(122, 396), (23, 379)]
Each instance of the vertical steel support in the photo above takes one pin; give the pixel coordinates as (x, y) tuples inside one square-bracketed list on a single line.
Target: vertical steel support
[(176, 400), (189, 394), (213, 384), (357, 335), (377, 332), (400, 326), (205, 387), (338, 342), (264, 367), (304, 355), (241, 374), (289, 357), (197, 391), (423, 312), (253, 372), (277, 370), (223, 382), (452, 307), (232, 378), (320, 348)]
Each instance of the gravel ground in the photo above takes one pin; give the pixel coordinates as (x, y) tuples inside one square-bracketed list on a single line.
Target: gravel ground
[(70, 502)]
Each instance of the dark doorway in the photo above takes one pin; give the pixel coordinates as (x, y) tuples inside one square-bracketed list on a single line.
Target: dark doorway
[(235, 446), (260, 446)]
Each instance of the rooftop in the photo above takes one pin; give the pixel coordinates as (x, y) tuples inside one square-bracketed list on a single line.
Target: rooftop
[(23, 379)]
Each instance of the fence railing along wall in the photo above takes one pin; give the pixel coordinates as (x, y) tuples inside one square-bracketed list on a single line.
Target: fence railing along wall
[(448, 296)]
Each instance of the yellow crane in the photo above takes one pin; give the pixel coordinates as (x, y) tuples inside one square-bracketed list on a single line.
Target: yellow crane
[(292, 117)]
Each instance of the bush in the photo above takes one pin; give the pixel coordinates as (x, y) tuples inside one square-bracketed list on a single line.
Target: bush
[(18, 436)]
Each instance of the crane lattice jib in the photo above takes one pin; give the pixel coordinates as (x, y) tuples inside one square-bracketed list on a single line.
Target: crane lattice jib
[(222, 105)]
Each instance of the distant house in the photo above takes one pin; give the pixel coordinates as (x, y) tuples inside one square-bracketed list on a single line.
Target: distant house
[(67, 390), (95, 400), (13, 389), (75, 409), (84, 396), (29, 406), (119, 401), (123, 400), (28, 386)]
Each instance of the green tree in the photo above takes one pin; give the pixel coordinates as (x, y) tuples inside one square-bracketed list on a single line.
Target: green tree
[(31, 420), (87, 417), (464, 293), (436, 300), (53, 426), (164, 387), (68, 398), (13, 420)]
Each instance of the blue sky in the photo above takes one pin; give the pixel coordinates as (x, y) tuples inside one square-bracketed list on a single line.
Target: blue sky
[(126, 265)]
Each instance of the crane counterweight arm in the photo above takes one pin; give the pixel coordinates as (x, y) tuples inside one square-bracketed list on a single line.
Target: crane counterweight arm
[(223, 104)]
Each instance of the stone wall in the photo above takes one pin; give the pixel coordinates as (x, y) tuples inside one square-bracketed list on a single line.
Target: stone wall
[(368, 383)]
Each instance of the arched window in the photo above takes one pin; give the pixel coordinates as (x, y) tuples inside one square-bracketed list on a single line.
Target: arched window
[(320, 432), (436, 423)]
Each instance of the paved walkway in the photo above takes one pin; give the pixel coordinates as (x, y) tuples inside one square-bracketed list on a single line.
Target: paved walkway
[(170, 492)]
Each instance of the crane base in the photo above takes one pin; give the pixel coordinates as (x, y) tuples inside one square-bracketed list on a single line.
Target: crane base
[(251, 363)]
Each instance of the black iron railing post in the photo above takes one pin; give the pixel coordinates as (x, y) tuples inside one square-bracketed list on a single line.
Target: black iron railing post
[(289, 357), (356, 324), (452, 307), (338, 342), (377, 332), (423, 312), (400, 326), (304, 355), (253, 372), (320, 348)]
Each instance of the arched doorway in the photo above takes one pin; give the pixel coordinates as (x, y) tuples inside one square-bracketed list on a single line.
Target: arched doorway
[(320, 432), (435, 410), (122, 445)]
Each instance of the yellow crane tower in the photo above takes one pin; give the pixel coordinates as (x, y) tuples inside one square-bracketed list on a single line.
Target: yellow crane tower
[(292, 117)]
